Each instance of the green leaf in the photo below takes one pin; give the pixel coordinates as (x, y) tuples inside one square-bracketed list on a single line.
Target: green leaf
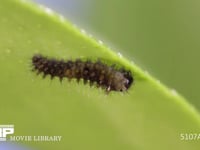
[(149, 116)]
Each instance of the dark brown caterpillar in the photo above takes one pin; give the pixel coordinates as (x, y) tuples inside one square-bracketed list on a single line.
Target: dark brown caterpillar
[(107, 77)]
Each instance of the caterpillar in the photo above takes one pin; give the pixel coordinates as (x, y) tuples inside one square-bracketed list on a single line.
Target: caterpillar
[(107, 77)]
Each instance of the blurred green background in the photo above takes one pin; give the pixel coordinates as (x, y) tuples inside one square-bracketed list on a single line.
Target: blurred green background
[(161, 36)]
